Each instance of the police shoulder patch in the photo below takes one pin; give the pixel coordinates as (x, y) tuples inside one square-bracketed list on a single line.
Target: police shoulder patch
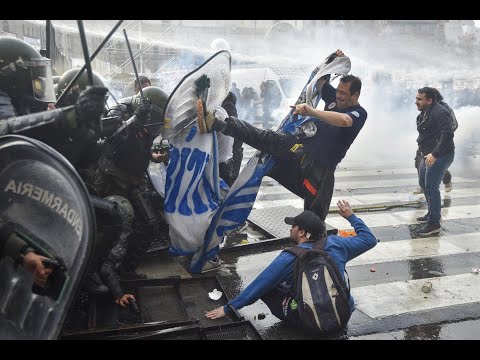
[(332, 105), (355, 113)]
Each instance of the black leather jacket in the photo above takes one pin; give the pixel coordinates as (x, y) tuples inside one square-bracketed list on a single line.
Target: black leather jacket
[(435, 131)]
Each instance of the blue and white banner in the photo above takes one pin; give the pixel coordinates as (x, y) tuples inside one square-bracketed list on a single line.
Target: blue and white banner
[(192, 194), (192, 185), (198, 215)]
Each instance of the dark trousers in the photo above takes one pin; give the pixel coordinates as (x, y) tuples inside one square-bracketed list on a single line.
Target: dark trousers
[(280, 304), (225, 171), (291, 168)]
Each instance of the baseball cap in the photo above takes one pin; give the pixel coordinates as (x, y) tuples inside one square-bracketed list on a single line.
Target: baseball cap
[(307, 220)]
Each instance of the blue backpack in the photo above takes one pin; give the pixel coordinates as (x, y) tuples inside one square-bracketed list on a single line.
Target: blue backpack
[(322, 295)]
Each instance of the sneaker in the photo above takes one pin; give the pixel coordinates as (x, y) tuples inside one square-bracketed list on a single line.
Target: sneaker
[(423, 219), (429, 229), (448, 187), (210, 265), (418, 191)]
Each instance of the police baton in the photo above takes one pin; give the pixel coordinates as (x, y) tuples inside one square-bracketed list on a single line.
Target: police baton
[(133, 62), (83, 38)]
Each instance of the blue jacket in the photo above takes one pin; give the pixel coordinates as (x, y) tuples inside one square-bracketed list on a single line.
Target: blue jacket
[(340, 249)]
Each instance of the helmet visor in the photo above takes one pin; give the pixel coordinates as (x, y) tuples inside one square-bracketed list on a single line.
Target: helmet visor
[(42, 83)]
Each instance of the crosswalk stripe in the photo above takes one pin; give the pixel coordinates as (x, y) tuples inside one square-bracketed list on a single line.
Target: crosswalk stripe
[(402, 297), (366, 184), (406, 217), (419, 248), (341, 173), (347, 173), (406, 249), (366, 199)]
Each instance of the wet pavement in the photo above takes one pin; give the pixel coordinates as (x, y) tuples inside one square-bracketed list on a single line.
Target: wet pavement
[(463, 330), (386, 281), (403, 261)]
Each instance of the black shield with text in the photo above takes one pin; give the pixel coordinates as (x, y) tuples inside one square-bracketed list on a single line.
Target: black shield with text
[(44, 202)]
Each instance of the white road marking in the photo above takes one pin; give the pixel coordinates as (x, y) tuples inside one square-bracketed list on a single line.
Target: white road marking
[(367, 199), (419, 248), (405, 217), (402, 297)]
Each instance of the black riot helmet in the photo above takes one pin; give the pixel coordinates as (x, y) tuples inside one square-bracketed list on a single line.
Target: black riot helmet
[(24, 72), (80, 85), (159, 101)]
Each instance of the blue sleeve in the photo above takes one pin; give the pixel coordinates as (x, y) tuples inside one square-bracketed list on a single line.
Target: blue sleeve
[(272, 276), (329, 94), (364, 241)]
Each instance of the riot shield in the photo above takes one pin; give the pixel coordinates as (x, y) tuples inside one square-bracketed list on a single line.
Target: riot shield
[(180, 110), (44, 201)]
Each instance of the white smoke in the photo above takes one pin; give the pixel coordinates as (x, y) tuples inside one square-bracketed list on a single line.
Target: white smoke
[(220, 44), (468, 131), (408, 60)]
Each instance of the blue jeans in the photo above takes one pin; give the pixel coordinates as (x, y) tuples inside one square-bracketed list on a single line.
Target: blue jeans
[(429, 178)]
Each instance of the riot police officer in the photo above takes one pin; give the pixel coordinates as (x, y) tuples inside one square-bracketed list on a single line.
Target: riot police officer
[(26, 89), (123, 165), (80, 85)]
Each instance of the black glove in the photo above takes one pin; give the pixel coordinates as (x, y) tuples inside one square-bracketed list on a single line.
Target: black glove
[(91, 104), (143, 111)]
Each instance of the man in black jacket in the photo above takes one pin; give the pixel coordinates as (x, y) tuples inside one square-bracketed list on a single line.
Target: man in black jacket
[(447, 179), (435, 143), (123, 165)]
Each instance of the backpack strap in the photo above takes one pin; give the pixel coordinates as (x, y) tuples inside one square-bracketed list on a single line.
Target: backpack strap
[(320, 245), (296, 250), (348, 279)]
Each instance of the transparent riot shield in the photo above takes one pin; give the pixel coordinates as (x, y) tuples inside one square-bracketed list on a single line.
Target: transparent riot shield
[(180, 110)]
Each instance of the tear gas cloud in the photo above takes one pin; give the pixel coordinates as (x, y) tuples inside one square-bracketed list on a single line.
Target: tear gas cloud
[(392, 68)]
